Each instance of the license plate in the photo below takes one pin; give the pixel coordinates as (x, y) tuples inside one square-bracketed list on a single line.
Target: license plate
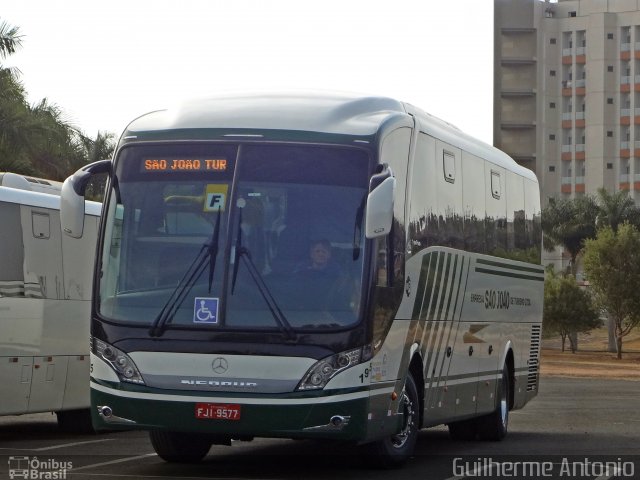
[(215, 411)]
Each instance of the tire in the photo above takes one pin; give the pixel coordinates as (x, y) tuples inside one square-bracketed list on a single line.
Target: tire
[(494, 426), (395, 450), (176, 447), (75, 421), (463, 430)]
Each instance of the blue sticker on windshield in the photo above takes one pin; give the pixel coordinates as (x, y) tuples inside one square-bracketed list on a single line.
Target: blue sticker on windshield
[(205, 310)]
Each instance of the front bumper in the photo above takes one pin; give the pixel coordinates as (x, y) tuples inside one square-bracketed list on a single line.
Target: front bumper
[(295, 415)]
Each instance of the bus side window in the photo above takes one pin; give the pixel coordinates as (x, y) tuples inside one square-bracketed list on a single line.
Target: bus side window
[(11, 253)]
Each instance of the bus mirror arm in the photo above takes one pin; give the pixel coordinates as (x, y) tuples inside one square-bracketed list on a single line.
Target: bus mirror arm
[(72, 197)]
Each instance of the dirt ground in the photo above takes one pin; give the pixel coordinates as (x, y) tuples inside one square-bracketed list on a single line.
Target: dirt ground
[(592, 359)]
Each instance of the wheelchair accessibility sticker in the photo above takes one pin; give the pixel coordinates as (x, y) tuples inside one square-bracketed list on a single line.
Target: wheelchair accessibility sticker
[(205, 310)]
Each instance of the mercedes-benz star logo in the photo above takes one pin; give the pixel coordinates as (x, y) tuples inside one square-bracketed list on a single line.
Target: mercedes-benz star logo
[(220, 365)]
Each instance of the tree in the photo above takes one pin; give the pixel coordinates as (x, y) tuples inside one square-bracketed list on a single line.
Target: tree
[(9, 39), (615, 209), (568, 223), (612, 264), (567, 308), (37, 139)]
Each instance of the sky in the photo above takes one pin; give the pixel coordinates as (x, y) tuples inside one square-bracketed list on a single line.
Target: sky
[(106, 63)]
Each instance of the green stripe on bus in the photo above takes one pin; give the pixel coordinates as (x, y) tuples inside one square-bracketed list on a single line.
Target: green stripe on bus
[(508, 274), (422, 282), (493, 263), (436, 287), (444, 292)]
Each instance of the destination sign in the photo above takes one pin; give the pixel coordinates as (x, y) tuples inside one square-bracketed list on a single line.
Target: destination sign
[(184, 165)]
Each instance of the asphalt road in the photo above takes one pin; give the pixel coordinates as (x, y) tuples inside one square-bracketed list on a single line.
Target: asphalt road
[(586, 421)]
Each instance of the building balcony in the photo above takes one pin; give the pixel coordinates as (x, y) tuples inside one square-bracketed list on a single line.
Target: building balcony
[(623, 180), (625, 116), (580, 152), (517, 92), (518, 60), (624, 150), (517, 125)]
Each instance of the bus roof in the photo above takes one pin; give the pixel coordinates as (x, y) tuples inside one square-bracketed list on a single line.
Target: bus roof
[(42, 200), (285, 116), (321, 113), (32, 184)]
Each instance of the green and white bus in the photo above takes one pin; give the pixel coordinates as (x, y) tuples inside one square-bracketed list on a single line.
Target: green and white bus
[(211, 320)]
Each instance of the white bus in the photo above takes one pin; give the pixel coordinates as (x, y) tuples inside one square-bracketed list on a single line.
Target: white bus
[(329, 266), (45, 292)]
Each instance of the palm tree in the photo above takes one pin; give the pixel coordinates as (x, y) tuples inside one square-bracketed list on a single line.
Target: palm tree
[(38, 139), (616, 209), (568, 223), (9, 39)]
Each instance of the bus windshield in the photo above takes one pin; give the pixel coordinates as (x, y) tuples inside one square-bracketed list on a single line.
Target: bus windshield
[(249, 237)]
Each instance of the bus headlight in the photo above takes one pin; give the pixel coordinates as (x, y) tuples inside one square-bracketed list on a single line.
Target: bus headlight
[(327, 368), (119, 361)]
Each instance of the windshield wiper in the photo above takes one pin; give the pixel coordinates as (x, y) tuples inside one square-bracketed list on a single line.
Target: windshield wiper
[(208, 251), (244, 253), (357, 229)]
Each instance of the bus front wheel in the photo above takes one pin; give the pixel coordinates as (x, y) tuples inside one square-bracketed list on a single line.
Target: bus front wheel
[(176, 447), (395, 450)]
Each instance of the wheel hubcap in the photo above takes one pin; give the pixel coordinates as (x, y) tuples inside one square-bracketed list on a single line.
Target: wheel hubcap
[(407, 411)]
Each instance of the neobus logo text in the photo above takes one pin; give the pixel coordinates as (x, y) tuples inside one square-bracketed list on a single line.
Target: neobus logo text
[(219, 383)]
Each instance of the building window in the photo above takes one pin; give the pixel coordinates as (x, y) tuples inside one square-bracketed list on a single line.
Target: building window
[(552, 137), (609, 36), (572, 14), (609, 166), (610, 68), (552, 41), (610, 101), (552, 73), (609, 133), (552, 105), (552, 168)]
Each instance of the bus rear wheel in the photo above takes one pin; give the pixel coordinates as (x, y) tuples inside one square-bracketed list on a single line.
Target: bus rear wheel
[(395, 450), (494, 425), (177, 447)]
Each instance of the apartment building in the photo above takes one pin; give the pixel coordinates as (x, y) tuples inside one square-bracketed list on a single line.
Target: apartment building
[(567, 92)]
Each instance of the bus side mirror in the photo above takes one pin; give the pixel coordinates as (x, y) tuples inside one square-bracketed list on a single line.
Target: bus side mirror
[(72, 197), (379, 217)]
